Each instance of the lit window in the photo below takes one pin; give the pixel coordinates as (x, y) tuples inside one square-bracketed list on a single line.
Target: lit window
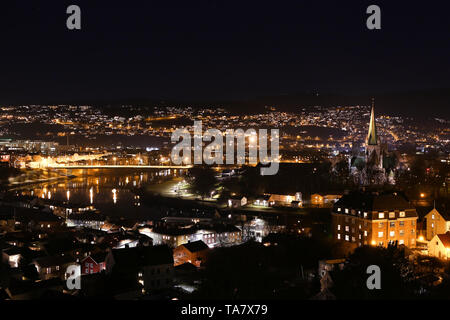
[(392, 233), (339, 227), (339, 209), (365, 233), (347, 238), (365, 214), (380, 234), (347, 228), (402, 214), (381, 215), (346, 210), (432, 216), (339, 236), (402, 232), (401, 241), (391, 215)]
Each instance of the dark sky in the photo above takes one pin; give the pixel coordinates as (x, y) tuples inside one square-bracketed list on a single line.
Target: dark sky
[(218, 49)]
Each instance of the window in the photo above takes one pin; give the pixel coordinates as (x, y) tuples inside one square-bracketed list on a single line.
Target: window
[(380, 234), (339, 209), (339, 236), (339, 227), (380, 225), (401, 241), (365, 214), (432, 225), (381, 215), (347, 238), (432, 216), (392, 224), (391, 215), (346, 210), (402, 232), (347, 228), (365, 233), (392, 233), (402, 223), (353, 239), (360, 237), (402, 214), (359, 227)]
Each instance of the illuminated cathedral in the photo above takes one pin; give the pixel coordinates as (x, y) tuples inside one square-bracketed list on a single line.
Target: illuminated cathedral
[(370, 168)]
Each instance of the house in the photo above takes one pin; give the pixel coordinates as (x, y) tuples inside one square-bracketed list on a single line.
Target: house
[(317, 199), (217, 235), (53, 266), (436, 222), (439, 246), (262, 200), (94, 263), (237, 202), (13, 255), (150, 267), (285, 199), (191, 252)]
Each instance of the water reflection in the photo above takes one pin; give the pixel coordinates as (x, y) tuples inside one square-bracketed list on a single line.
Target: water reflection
[(105, 189)]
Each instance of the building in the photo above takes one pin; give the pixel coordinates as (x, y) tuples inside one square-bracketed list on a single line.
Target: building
[(89, 219), (436, 223), (262, 200), (370, 218), (317, 199), (150, 267), (53, 266), (237, 202), (374, 167), (191, 252), (439, 246), (284, 199), (94, 263), (212, 234)]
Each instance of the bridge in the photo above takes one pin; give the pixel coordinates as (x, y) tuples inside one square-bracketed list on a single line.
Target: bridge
[(106, 166)]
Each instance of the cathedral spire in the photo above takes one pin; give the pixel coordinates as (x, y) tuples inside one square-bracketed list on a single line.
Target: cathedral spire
[(372, 138)]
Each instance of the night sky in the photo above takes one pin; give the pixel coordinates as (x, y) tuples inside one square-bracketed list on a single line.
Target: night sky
[(219, 49)]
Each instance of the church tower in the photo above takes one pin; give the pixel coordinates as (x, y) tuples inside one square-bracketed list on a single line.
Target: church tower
[(374, 157), (372, 138)]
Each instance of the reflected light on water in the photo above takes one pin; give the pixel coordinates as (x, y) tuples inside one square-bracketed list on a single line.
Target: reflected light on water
[(91, 195), (114, 191)]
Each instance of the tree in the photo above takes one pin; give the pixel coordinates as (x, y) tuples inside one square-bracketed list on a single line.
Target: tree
[(203, 180)]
